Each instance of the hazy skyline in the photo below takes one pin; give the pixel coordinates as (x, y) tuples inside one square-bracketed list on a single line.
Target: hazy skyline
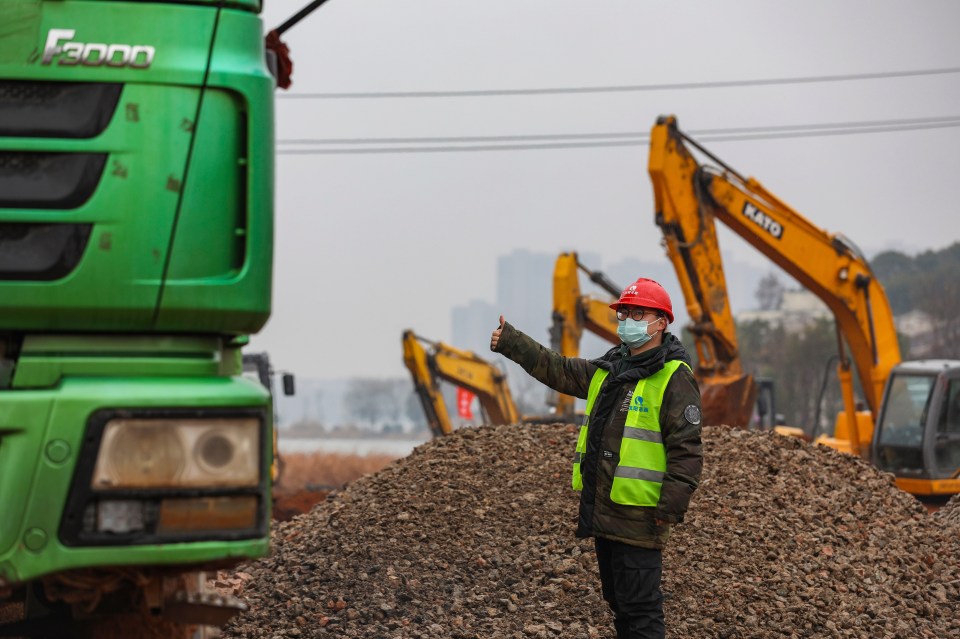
[(370, 244)]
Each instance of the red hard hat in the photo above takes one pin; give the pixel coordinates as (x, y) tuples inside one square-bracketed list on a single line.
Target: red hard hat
[(648, 294)]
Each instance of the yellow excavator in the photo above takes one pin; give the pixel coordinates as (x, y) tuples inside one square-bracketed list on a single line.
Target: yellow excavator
[(459, 367), (909, 427), (573, 312)]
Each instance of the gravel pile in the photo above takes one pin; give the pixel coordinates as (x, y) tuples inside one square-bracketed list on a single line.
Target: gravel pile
[(950, 513), (472, 536), (790, 540)]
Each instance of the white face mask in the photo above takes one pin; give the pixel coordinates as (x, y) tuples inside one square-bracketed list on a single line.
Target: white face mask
[(634, 333)]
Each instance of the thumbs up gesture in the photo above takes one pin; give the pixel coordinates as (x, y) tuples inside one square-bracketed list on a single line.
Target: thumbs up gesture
[(495, 338)]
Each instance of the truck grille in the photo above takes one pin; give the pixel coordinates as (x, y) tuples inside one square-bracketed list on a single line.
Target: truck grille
[(40, 251), (48, 180), (56, 109)]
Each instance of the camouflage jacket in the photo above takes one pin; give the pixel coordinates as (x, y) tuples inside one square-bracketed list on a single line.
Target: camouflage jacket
[(598, 515)]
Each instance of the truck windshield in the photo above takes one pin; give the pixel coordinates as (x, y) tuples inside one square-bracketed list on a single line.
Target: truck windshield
[(947, 447), (901, 426)]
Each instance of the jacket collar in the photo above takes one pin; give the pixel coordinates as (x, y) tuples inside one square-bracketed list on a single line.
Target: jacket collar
[(632, 368)]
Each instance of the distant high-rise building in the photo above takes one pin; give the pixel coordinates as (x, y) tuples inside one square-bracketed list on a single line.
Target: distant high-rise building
[(472, 325), (525, 298), (525, 290)]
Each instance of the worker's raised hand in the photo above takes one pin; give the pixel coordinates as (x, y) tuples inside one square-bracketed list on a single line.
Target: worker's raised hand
[(495, 338)]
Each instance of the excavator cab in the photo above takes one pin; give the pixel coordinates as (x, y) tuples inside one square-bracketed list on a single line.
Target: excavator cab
[(918, 430)]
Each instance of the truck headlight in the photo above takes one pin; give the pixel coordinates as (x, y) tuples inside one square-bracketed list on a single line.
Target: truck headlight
[(178, 452)]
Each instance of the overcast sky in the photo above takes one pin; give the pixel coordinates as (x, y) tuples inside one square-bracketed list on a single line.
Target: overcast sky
[(370, 244)]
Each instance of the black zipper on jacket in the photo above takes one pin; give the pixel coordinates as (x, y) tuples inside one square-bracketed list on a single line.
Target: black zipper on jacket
[(603, 406)]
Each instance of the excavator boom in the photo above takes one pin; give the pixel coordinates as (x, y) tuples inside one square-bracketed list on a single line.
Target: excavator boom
[(573, 312), (462, 368), (480, 377), (728, 394), (417, 361), (914, 407), (828, 264)]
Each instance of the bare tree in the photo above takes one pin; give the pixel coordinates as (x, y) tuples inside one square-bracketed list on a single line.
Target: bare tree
[(769, 293), (797, 363), (372, 400), (939, 296)]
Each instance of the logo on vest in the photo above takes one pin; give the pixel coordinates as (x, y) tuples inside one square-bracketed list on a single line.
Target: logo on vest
[(638, 406)]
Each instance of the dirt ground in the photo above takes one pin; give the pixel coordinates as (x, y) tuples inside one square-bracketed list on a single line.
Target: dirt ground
[(307, 478), (471, 536)]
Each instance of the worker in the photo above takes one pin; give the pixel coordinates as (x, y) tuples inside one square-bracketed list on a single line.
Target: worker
[(638, 456)]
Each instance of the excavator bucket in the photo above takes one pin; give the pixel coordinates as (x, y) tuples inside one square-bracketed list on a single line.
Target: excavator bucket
[(728, 401)]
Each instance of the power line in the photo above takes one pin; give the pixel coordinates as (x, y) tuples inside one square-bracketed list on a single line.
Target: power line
[(468, 139), (939, 119), (627, 88), (829, 133), (456, 149), (951, 120), (615, 143)]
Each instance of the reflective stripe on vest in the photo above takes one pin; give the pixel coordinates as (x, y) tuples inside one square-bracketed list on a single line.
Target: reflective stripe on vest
[(638, 477)]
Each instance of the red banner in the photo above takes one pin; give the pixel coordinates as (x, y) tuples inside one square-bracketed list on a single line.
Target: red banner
[(464, 401)]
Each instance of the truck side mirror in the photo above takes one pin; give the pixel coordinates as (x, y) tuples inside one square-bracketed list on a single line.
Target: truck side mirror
[(288, 384)]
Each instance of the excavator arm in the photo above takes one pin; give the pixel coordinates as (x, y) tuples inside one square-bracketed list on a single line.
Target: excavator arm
[(461, 368), (466, 370), (728, 394), (573, 312), (828, 264), (417, 360)]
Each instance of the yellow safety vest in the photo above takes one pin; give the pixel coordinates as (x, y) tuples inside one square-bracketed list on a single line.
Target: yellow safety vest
[(643, 458)]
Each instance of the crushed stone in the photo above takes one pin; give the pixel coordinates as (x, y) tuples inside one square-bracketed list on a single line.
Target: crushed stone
[(471, 536)]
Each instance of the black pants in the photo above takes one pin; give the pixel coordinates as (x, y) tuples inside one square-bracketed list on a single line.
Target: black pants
[(630, 577)]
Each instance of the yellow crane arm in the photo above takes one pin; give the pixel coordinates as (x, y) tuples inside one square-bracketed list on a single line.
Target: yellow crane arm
[(573, 312), (417, 361), (477, 375), (566, 330), (691, 241), (461, 368), (599, 318), (690, 235), (828, 264)]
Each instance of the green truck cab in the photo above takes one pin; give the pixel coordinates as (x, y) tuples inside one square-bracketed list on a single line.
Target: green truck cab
[(136, 221)]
